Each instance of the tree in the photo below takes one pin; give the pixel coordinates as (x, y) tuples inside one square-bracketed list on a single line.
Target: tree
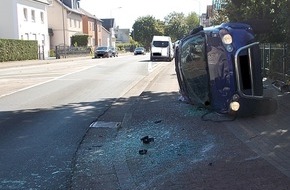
[(145, 28), (192, 20), (269, 18), (79, 40), (175, 26), (219, 17)]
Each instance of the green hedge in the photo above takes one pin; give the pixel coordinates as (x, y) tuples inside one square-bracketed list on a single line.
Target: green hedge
[(79, 40), (17, 50)]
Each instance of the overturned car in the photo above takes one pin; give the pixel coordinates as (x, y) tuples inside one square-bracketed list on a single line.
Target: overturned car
[(220, 68)]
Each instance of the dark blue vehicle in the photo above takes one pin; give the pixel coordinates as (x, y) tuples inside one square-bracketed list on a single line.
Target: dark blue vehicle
[(220, 68)]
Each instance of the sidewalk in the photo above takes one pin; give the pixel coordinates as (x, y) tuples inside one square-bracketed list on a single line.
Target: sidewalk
[(183, 152), (10, 64)]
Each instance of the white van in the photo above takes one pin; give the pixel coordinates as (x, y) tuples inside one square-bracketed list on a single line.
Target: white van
[(161, 48)]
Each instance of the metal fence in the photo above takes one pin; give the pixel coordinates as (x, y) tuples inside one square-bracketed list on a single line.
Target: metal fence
[(276, 61), (69, 51)]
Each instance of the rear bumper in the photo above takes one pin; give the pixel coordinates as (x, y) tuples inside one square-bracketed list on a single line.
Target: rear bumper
[(158, 56), (101, 54)]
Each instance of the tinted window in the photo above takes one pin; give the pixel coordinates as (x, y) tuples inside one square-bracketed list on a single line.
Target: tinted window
[(160, 43), (102, 48)]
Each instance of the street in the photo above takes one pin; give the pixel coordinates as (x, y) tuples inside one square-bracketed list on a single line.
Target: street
[(47, 109)]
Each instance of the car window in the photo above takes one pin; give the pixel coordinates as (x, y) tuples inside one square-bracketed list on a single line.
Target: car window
[(102, 48), (160, 43)]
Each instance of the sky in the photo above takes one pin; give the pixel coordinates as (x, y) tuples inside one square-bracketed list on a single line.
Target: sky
[(126, 12)]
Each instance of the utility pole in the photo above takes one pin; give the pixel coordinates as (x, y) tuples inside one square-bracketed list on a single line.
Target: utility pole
[(63, 29)]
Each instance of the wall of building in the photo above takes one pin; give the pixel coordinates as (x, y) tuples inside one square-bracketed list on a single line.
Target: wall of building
[(8, 20), (55, 21), (106, 35), (75, 25), (123, 35), (91, 32), (98, 33)]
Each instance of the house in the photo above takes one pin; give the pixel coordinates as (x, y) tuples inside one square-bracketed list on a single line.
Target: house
[(92, 26), (117, 35), (25, 20), (106, 37), (67, 18), (64, 21), (123, 35), (110, 26)]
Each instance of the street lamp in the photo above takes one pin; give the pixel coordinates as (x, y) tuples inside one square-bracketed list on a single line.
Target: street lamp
[(112, 28), (111, 10)]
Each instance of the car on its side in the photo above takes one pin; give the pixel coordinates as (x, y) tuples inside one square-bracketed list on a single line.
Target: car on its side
[(103, 51), (139, 51), (114, 52)]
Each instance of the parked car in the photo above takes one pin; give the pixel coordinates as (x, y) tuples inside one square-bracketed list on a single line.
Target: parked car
[(114, 52), (139, 51), (103, 51)]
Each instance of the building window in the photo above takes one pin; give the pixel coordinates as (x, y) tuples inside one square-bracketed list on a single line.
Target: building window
[(43, 39), (25, 14), (34, 36), (75, 23), (26, 36), (42, 17), (33, 15)]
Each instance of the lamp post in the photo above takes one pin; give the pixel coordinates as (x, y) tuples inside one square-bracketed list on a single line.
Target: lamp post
[(199, 12), (113, 29), (111, 10)]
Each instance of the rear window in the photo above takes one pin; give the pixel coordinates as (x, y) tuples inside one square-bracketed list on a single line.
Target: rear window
[(160, 43), (102, 48)]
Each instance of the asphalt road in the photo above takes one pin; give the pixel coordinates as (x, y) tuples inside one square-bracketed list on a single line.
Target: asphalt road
[(46, 110)]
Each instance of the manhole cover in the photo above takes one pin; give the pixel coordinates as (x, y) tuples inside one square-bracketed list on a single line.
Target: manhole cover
[(105, 124)]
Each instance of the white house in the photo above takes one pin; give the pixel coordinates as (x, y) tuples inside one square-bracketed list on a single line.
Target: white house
[(26, 20), (123, 35)]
